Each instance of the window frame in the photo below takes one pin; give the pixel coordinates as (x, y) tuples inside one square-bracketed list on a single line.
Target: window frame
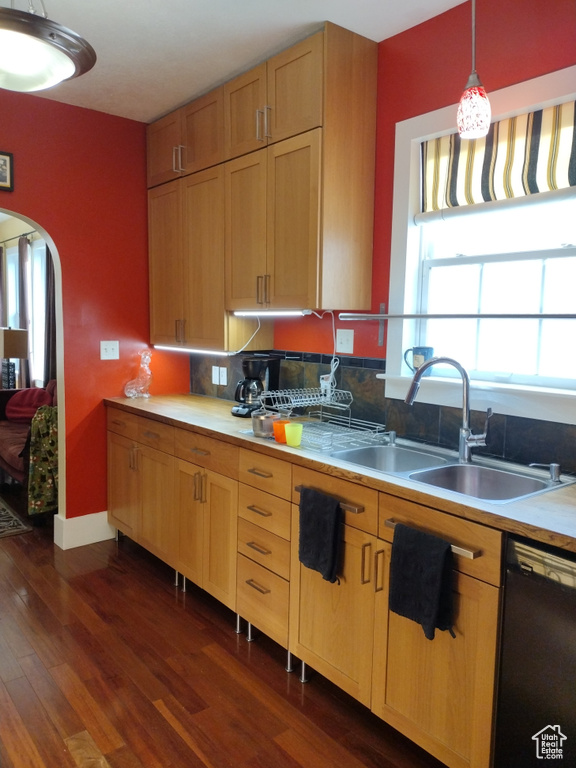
[(546, 403)]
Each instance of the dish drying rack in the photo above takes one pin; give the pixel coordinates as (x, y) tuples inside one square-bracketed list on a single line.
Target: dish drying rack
[(329, 426)]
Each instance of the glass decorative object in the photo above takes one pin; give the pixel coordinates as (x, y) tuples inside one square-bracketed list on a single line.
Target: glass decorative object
[(140, 386)]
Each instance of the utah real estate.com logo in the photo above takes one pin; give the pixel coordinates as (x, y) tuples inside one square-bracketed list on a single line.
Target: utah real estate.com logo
[(549, 743)]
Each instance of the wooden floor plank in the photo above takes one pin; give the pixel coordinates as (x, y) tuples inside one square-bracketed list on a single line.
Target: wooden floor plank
[(104, 658)]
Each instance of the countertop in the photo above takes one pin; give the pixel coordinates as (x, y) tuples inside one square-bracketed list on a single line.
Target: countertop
[(549, 518)]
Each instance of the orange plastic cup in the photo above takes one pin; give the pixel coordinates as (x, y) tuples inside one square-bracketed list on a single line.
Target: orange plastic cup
[(279, 434)]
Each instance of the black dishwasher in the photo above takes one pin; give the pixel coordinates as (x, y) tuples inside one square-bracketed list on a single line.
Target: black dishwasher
[(536, 714)]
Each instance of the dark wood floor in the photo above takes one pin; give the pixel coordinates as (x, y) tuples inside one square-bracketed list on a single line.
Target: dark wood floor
[(103, 662)]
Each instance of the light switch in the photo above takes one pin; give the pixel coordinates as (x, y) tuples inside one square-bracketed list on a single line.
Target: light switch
[(345, 341), (215, 374), (109, 350)]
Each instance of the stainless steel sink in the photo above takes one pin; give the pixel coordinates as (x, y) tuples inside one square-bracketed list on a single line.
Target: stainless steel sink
[(389, 458), (483, 482)]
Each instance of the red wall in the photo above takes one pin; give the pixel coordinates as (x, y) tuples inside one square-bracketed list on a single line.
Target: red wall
[(80, 175), (424, 69)]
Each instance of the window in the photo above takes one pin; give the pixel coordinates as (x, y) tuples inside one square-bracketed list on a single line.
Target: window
[(497, 258), (35, 288)]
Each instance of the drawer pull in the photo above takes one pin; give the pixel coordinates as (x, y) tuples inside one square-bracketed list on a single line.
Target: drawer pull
[(261, 512), (259, 548), (199, 452), (471, 554), (151, 435), (257, 587), (352, 508), (260, 473), (118, 423)]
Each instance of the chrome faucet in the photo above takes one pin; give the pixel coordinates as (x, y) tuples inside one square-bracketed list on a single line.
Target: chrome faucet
[(467, 440)]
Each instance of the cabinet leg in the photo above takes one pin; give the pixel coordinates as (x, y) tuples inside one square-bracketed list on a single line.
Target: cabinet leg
[(238, 624), (249, 636), (303, 673), (176, 575), (289, 664), (183, 583)]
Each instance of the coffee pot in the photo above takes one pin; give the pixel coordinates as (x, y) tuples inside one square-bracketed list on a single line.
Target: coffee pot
[(260, 373)]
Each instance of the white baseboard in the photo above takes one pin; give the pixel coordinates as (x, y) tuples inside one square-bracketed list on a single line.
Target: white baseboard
[(78, 531)]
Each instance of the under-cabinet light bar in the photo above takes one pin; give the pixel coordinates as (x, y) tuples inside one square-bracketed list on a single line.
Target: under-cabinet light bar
[(189, 351), (272, 312)]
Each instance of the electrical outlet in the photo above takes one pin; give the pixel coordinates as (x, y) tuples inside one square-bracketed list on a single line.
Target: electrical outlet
[(215, 374), (109, 350), (345, 341), (223, 376)]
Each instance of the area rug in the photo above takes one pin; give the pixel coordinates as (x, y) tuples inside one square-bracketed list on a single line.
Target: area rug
[(10, 523)]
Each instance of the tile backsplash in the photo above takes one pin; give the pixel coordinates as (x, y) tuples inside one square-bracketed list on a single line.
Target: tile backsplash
[(521, 440)]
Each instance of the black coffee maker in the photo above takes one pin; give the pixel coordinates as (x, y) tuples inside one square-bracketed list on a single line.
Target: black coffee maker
[(261, 372)]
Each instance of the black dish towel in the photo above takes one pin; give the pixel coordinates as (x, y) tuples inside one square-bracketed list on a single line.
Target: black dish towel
[(320, 533), (421, 579)]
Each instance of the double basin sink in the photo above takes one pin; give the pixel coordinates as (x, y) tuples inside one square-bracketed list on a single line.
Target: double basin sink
[(477, 480)]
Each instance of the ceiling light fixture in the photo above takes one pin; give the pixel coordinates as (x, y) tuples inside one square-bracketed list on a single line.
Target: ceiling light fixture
[(473, 118), (37, 53)]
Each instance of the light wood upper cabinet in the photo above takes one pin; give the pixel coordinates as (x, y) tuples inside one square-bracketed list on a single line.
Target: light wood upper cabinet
[(277, 99), (186, 263), (187, 140)]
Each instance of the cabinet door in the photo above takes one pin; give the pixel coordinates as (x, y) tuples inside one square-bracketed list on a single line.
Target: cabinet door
[(440, 692), (157, 524), (332, 625), (220, 495), (164, 144), (166, 264), (190, 521), (203, 132), (245, 202), (295, 89), (123, 484), (293, 198), (203, 200), (244, 115)]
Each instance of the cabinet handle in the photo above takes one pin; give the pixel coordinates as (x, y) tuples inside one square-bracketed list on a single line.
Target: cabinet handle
[(377, 573), (267, 111), (181, 150), (152, 435), (259, 291), (203, 485), (175, 165), (133, 460), (258, 511), (354, 509), (266, 289), (199, 451), (195, 486), (365, 563), (259, 136), (257, 587), (118, 423), (471, 554), (259, 548), (260, 473)]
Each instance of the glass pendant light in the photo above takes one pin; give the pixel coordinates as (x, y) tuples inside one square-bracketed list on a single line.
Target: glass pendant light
[(37, 53), (473, 117)]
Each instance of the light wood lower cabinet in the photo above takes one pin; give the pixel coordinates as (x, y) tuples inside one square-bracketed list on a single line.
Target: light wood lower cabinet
[(207, 514)]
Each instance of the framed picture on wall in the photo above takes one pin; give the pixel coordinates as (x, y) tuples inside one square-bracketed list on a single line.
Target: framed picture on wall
[(6, 171)]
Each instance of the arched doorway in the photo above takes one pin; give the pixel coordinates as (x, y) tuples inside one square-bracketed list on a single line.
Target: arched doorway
[(13, 225)]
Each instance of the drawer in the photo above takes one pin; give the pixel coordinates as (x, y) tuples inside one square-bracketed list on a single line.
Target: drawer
[(262, 598), (266, 472), (360, 504), (484, 542), (122, 423), (156, 435), (264, 547), (265, 510), (207, 452)]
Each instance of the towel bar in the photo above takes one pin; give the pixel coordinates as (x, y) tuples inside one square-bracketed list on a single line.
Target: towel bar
[(353, 509), (471, 554)]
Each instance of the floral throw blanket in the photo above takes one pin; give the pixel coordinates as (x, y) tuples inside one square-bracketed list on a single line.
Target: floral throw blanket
[(43, 477)]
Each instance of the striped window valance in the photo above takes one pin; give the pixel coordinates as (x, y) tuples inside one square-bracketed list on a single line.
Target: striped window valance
[(523, 155)]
